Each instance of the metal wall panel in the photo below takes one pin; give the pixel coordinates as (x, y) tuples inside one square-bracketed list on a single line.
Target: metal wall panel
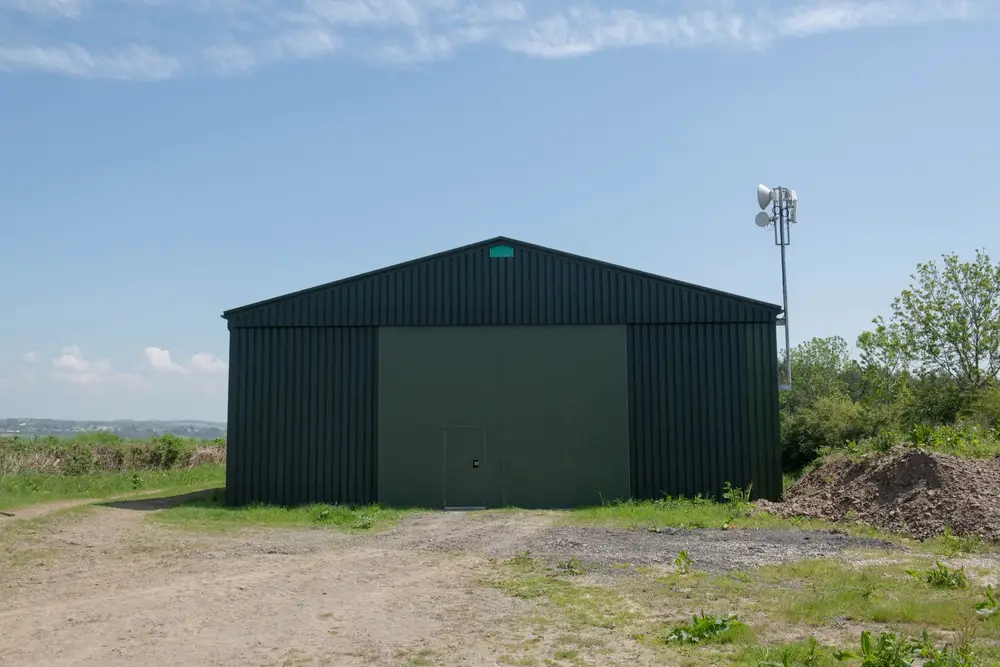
[(551, 403), (704, 409), (302, 415), (535, 286)]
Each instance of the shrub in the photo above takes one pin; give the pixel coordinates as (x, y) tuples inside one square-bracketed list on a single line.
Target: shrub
[(934, 400), (103, 452), (984, 408), (829, 423), (78, 459)]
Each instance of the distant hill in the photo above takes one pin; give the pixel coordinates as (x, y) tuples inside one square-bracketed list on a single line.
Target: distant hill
[(126, 428)]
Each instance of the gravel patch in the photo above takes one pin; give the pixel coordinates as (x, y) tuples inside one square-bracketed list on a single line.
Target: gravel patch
[(711, 550), (500, 535)]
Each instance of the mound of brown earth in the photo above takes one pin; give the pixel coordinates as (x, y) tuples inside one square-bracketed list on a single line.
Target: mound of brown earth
[(907, 490)]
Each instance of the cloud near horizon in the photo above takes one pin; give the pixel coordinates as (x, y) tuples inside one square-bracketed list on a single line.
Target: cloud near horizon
[(73, 367), (163, 39)]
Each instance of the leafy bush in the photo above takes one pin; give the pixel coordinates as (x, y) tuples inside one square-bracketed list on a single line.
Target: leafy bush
[(985, 408), (829, 423), (934, 399)]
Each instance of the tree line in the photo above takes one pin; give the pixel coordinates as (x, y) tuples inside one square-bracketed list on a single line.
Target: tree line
[(932, 363)]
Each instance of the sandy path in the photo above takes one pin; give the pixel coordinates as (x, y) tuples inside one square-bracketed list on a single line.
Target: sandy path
[(46, 509), (125, 592), (111, 589)]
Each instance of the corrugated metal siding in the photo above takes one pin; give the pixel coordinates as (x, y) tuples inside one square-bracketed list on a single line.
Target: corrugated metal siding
[(703, 409), (533, 287), (302, 415)]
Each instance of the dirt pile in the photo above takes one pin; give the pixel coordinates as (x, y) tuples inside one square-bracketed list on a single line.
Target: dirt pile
[(906, 490)]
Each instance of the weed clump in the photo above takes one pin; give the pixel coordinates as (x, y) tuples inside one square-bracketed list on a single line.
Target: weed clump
[(573, 566), (683, 562), (942, 576), (706, 628), (894, 650)]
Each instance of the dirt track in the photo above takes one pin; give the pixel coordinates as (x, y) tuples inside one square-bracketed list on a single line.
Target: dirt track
[(112, 589)]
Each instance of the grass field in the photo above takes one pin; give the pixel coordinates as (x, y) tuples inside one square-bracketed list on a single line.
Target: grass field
[(31, 488)]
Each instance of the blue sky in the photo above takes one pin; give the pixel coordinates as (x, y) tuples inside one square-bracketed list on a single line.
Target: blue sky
[(164, 160)]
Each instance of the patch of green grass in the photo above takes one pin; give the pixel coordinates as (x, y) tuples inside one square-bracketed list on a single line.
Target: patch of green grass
[(952, 545), (211, 514), (808, 653), (583, 605), (817, 596), (31, 488), (824, 591), (652, 514), (690, 513)]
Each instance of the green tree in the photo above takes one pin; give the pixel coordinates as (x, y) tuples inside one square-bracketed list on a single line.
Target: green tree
[(948, 321), (883, 363), (820, 367)]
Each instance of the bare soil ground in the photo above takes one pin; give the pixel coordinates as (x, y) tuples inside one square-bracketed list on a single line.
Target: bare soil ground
[(105, 587)]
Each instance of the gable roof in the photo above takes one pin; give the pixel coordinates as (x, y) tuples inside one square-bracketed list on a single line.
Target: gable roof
[(491, 242)]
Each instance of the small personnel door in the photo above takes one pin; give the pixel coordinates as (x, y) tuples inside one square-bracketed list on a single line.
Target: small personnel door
[(464, 458)]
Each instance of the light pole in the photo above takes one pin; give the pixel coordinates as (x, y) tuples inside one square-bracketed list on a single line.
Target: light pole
[(784, 211)]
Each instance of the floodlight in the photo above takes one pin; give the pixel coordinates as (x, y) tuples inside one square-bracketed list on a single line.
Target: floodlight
[(764, 195), (762, 219)]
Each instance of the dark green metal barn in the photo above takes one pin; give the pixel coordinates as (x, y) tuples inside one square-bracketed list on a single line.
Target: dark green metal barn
[(501, 373)]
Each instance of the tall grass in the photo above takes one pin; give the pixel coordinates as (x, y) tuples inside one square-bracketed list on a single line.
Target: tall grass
[(99, 465), (104, 452)]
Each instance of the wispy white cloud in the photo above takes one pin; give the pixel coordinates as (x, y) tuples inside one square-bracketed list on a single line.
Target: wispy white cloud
[(162, 39), (31, 356), (132, 62), (67, 9)]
